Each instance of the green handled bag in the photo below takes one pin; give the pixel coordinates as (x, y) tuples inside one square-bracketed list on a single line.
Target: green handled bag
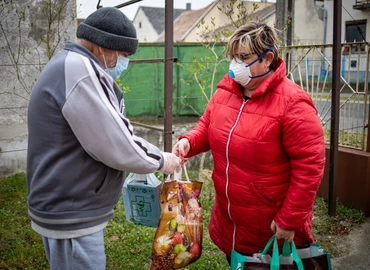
[(312, 258)]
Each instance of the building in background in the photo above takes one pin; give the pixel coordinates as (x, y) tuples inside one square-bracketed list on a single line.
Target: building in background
[(355, 28), (149, 22), (186, 22), (313, 20), (200, 25)]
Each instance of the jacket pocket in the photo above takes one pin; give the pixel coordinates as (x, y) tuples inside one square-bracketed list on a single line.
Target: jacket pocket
[(262, 197), (105, 182)]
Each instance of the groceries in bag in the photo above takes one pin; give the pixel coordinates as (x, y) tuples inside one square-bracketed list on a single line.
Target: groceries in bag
[(178, 239)]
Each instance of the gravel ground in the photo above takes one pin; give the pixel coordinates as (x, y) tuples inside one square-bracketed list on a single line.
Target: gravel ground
[(356, 247)]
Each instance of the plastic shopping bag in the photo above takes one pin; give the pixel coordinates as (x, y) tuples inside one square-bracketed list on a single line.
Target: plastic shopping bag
[(178, 239), (141, 199)]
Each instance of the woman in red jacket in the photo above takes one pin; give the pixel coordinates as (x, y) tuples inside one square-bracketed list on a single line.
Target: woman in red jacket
[(267, 144)]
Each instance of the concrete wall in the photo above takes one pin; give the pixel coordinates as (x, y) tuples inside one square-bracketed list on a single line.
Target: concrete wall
[(22, 57), (307, 22), (308, 26)]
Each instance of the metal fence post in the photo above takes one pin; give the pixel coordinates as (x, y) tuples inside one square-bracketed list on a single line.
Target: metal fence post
[(334, 124), (168, 75)]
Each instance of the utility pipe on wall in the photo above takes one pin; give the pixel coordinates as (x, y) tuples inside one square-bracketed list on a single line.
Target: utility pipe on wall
[(325, 19)]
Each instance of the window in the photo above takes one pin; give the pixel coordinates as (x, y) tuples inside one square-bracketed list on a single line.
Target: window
[(356, 32), (139, 24)]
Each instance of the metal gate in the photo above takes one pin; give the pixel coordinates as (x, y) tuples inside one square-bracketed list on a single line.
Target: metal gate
[(310, 66)]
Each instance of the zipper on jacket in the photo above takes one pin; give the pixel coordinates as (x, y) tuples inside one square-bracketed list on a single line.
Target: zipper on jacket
[(227, 168)]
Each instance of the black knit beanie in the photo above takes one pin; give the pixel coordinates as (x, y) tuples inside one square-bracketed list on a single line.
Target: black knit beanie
[(109, 28)]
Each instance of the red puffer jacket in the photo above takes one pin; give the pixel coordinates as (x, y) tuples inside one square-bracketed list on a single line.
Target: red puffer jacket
[(269, 158)]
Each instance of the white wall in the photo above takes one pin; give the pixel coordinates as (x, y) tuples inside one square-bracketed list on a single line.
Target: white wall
[(145, 33), (308, 28)]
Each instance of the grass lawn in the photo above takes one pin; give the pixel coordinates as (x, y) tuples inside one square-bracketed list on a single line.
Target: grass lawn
[(128, 246)]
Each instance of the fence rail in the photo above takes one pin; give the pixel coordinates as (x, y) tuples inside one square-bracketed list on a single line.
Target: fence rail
[(310, 66)]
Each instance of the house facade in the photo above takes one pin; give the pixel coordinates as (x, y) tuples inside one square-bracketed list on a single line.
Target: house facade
[(214, 16), (355, 27), (197, 25), (355, 20), (313, 21), (355, 15), (149, 22)]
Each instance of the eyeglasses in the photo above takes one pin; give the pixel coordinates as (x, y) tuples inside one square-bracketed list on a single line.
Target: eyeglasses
[(240, 58)]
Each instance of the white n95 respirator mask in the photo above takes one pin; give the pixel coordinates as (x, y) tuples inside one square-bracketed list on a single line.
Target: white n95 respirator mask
[(240, 72)]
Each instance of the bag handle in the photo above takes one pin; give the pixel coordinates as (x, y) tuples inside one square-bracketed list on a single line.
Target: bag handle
[(238, 263), (186, 173), (180, 173), (268, 245), (286, 249), (297, 260), (275, 263)]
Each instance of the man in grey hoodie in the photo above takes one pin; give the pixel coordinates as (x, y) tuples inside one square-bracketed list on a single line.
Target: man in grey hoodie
[(80, 142)]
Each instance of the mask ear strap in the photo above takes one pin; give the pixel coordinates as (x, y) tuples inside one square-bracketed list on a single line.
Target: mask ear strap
[(105, 62), (262, 55), (257, 76)]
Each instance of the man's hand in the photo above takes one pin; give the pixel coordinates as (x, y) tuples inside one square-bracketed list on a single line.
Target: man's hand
[(171, 163), (282, 234)]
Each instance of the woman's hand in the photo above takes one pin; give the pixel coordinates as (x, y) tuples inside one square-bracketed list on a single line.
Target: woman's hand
[(282, 234), (181, 149)]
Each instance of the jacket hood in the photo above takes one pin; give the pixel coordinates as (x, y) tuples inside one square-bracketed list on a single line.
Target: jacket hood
[(274, 79)]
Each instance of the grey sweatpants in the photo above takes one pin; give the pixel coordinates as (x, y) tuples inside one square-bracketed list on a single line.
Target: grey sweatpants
[(83, 253)]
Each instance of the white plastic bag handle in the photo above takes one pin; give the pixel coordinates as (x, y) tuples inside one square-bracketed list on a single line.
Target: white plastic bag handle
[(177, 176)]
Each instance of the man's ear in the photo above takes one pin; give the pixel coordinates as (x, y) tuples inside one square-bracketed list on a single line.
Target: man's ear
[(101, 50), (99, 53)]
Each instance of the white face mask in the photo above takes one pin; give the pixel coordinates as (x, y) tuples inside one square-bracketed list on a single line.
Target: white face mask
[(241, 72), (121, 65)]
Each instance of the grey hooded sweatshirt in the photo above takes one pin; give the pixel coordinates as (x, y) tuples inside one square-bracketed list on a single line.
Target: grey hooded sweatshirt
[(80, 143)]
